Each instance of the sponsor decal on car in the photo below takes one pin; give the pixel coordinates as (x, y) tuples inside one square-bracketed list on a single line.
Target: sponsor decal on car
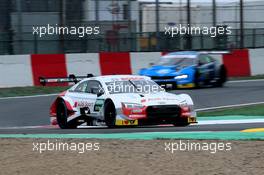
[(84, 104), (126, 122), (192, 120)]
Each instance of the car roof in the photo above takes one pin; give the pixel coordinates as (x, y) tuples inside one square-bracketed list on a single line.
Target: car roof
[(186, 54), (110, 78)]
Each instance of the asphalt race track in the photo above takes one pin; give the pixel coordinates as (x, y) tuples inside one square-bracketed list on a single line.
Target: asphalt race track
[(17, 114)]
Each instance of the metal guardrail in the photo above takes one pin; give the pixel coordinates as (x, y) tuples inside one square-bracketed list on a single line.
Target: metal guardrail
[(124, 42)]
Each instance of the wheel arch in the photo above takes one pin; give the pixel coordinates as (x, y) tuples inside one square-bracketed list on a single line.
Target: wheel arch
[(68, 102)]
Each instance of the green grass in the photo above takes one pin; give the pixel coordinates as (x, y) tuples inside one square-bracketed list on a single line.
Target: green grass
[(254, 110), (247, 78), (25, 91)]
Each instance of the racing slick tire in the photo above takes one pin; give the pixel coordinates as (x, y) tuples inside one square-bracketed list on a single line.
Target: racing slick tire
[(62, 115), (110, 114), (222, 77), (181, 122)]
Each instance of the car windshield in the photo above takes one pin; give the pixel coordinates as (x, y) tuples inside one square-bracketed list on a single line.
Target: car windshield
[(179, 61), (133, 86)]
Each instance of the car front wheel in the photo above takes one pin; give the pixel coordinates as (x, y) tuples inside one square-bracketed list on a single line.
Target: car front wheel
[(110, 114), (62, 115)]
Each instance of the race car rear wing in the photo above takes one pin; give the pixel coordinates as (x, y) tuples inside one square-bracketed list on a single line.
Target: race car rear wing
[(216, 52), (70, 79)]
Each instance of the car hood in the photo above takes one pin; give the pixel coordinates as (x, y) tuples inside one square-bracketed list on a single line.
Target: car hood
[(159, 98)]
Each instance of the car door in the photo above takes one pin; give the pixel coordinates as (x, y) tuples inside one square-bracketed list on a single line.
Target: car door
[(206, 67), (94, 88), (83, 96), (210, 66)]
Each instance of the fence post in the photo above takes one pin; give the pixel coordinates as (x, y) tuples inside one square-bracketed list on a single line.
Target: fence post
[(20, 27), (157, 25), (201, 41), (254, 38), (189, 36), (241, 24), (35, 44)]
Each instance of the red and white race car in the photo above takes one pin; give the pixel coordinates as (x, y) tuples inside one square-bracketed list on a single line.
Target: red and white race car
[(119, 100)]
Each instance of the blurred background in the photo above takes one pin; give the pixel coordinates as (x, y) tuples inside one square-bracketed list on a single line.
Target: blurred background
[(129, 25)]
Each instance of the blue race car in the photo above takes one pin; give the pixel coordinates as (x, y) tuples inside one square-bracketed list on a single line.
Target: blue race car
[(187, 69)]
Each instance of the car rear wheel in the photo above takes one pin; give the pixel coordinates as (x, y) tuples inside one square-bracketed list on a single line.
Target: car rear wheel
[(62, 115), (110, 114), (222, 76)]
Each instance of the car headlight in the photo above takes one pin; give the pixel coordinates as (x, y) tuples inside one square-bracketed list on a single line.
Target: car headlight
[(185, 76), (132, 105)]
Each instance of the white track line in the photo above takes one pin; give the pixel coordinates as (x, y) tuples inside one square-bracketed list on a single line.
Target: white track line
[(30, 96), (229, 106), (91, 127), (222, 122), (26, 127)]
